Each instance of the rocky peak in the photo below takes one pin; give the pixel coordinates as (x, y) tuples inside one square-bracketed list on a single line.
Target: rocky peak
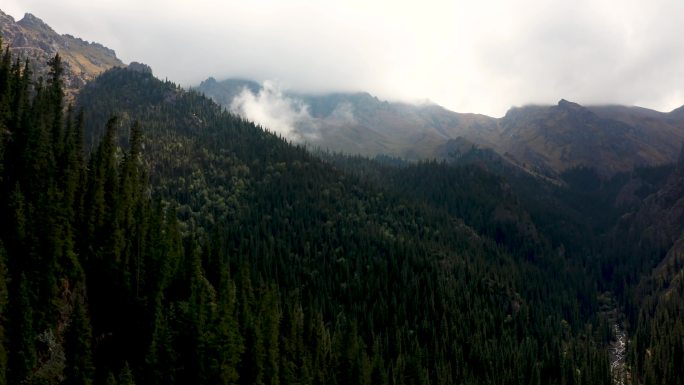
[(579, 114), (32, 22), (31, 38), (5, 18), (564, 104), (210, 81), (572, 108), (140, 67)]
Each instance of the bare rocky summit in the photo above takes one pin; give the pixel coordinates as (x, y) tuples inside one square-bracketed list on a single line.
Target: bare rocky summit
[(32, 38)]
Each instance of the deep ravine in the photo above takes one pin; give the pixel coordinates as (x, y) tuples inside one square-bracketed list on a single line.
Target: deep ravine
[(610, 311), (618, 350)]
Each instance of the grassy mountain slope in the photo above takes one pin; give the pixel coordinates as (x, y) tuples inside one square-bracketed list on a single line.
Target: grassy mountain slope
[(544, 140)]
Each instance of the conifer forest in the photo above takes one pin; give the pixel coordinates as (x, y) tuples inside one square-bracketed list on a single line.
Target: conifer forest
[(149, 236)]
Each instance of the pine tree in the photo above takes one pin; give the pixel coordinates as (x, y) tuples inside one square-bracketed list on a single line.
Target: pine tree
[(202, 310), (252, 362), (227, 339), (79, 366), (126, 376), (4, 299), (111, 380), (23, 359), (101, 191), (269, 317), (56, 97), (161, 359), (71, 166), (131, 210)]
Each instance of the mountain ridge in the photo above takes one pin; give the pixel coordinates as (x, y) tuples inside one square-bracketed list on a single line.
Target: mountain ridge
[(31, 38), (546, 139)]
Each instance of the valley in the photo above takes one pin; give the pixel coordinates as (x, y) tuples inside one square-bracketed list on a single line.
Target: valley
[(152, 234)]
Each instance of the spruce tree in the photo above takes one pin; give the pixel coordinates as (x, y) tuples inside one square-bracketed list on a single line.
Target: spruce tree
[(23, 359), (228, 344), (79, 365), (4, 301), (111, 379), (55, 95), (126, 375)]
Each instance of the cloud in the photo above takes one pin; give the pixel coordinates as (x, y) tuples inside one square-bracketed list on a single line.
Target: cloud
[(271, 109), (468, 55), (343, 114)]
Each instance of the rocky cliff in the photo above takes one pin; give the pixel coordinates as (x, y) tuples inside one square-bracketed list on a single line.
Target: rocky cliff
[(32, 38)]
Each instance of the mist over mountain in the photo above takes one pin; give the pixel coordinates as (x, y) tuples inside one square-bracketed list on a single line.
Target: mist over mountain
[(546, 140)]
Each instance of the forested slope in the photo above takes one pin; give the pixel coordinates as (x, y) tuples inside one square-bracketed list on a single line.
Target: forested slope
[(186, 245)]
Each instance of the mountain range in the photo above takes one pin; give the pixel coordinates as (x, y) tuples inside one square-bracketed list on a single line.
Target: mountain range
[(541, 140), (546, 140)]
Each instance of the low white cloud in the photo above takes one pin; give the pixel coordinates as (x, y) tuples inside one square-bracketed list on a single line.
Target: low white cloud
[(343, 114), (274, 111), (467, 55)]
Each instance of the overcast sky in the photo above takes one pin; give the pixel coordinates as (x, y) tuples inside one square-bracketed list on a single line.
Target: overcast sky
[(470, 55)]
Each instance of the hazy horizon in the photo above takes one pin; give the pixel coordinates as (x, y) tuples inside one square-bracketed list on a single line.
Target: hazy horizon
[(479, 57)]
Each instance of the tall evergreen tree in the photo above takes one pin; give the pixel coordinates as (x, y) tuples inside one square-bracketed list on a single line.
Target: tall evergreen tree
[(79, 365), (4, 301), (126, 376), (23, 358), (56, 96), (228, 345)]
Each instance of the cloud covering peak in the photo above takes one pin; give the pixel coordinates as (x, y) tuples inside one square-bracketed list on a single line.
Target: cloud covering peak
[(271, 109), (470, 56)]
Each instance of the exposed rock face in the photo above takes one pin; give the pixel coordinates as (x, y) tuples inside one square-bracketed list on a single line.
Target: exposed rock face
[(32, 38)]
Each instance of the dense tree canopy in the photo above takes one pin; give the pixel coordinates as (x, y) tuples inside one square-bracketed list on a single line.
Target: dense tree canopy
[(150, 237)]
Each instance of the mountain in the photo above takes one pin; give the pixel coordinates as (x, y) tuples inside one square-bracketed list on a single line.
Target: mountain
[(157, 238), (677, 113), (32, 38), (658, 223), (543, 140), (325, 238), (227, 90), (652, 238), (359, 123), (557, 138)]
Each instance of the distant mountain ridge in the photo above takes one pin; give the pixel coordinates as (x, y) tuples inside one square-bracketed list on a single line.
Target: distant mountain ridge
[(542, 140), (546, 140), (32, 38), (568, 135)]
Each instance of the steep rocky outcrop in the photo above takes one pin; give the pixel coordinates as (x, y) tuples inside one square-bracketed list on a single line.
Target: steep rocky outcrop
[(32, 38)]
